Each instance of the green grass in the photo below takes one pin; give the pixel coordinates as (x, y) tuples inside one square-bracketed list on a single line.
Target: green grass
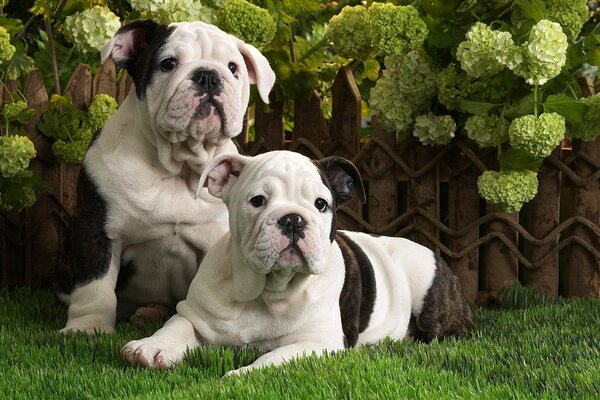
[(550, 351)]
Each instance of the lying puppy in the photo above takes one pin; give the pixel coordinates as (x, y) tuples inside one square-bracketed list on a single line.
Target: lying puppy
[(285, 281), (138, 234)]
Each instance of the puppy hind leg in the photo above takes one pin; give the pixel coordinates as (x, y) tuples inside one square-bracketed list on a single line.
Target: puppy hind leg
[(445, 310), (150, 313), (166, 348)]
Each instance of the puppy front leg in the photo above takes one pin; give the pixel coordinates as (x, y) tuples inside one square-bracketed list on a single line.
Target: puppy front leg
[(165, 348), (287, 353), (93, 305)]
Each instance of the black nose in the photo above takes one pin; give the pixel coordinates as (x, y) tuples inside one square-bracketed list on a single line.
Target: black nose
[(292, 226), (207, 81)]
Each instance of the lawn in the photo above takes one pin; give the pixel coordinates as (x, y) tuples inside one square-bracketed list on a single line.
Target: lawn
[(550, 351)]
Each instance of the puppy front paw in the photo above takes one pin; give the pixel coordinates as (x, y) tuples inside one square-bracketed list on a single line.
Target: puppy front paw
[(90, 324), (151, 353)]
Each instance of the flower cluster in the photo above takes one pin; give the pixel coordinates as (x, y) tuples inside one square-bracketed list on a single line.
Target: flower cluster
[(545, 54), (477, 54), (91, 29), (508, 190), (383, 29), (100, 110), (180, 11), (252, 24), (15, 154), (486, 52), (454, 85), (405, 90), (168, 11), (487, 131), (350, 33), (17, 196), (571, 15), (12, 110), (589, 129), (537, 136), (433, 129), (7, 50), (396, 30), (73, 151)]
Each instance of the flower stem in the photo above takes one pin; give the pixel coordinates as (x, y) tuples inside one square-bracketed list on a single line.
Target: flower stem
[(48, 27)]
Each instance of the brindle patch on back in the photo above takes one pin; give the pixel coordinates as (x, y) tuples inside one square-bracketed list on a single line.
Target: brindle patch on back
[(359, 291), (445, 310)]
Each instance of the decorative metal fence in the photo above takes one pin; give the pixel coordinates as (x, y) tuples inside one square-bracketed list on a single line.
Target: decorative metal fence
[(422, 193)]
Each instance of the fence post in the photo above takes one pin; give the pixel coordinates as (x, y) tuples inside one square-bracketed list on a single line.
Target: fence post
[(344, 132), (463, 210), (42, 238), (11, 228), (268, 127), (309, 126), (584, 269), (501, 265), (105, 80), (423, 193), (383, 193), (545, 217)]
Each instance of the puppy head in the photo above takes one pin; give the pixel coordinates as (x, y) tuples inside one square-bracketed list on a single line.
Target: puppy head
[(193, 79), (282, 208)]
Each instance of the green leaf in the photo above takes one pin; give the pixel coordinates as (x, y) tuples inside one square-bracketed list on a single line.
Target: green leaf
[(370, 71), (515, 159), (592, 49), (534, 9), (568, 107), (19, 64), (522, 107), (12, 25), (25, 116), (476, 107)]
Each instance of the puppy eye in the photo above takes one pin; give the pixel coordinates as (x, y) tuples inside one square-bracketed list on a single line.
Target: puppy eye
[(258, 201), (321, 204), (232, 67), (168, 64)]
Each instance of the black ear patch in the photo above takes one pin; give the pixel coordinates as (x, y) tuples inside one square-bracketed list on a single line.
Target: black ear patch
[(344, 179), (135, 46)]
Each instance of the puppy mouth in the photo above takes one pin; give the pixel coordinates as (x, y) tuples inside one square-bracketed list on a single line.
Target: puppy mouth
[(291, 257), (210, 106)]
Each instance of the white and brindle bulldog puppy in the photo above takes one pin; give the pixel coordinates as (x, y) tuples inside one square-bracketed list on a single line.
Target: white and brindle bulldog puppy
[(138, 233), (285, 281)]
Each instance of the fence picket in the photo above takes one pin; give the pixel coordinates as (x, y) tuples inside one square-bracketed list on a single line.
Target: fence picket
[(463, 209), (545, 217)]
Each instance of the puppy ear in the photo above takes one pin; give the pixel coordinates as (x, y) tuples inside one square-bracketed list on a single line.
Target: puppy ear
[(259, 70), (222, 172), (130, 41), (344, 179)]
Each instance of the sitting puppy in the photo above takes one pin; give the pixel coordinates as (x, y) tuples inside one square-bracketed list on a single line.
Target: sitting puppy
[(138, 233), (285, 281)]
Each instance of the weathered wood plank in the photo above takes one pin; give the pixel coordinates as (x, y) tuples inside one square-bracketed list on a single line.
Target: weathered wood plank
[(382, 198), (545, 217), (105, 80), (463, 209)]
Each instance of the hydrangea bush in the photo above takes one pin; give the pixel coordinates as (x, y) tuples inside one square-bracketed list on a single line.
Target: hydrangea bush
[(502, 73)]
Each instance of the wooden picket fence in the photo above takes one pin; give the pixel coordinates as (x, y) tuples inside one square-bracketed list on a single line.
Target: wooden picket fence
[(422, 193)]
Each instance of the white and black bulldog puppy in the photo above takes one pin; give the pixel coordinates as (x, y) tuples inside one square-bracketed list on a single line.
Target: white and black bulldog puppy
[(284, 280), (138, 233)]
